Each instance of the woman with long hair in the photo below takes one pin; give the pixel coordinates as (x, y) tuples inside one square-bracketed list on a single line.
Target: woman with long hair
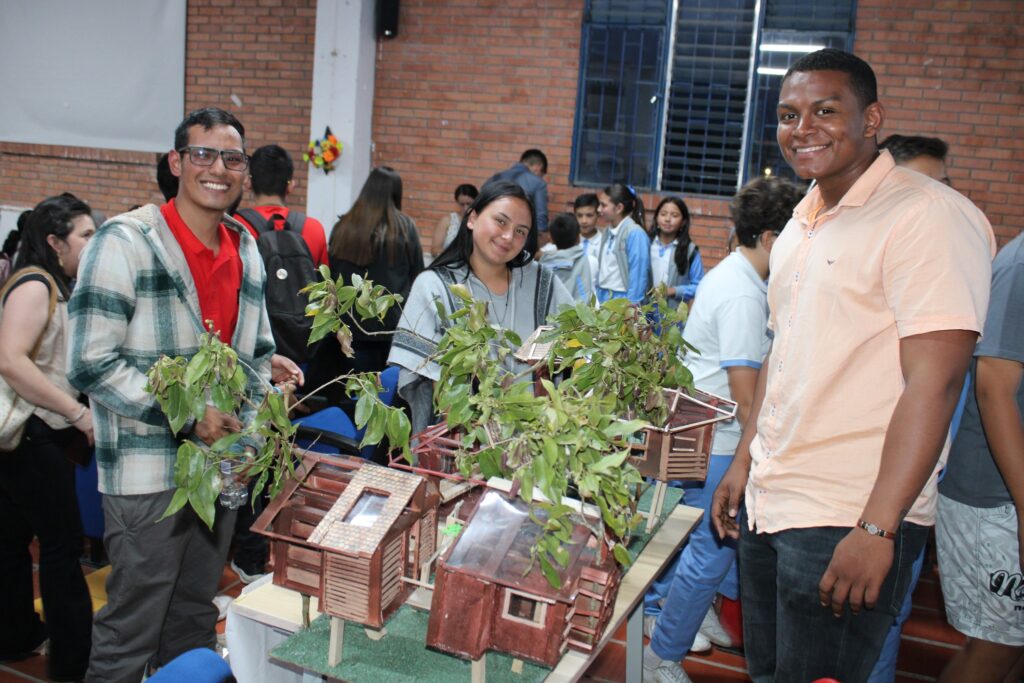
[(377, 241), (492, 254), (675, 258), (37, 480)]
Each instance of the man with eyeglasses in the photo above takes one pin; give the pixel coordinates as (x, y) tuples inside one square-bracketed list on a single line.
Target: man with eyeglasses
[(158, 276)]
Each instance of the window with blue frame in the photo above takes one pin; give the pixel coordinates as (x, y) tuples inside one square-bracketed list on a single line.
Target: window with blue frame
[(680, 96)]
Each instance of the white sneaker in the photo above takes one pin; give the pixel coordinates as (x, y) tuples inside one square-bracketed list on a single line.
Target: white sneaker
[(222, 602), (711, 629), (649, 621), (700, 644), (657, 670), (245, 577)]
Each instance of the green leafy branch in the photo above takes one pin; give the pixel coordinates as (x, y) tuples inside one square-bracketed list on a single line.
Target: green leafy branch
[(215, 375)]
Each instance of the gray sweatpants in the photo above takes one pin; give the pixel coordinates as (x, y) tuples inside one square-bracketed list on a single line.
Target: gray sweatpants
[(164, 575)]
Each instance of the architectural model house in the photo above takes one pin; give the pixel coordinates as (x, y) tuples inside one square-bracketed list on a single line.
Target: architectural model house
[(485, 599), (348, 532)]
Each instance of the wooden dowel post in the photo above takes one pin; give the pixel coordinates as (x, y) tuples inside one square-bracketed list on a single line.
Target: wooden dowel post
[(337, 641)]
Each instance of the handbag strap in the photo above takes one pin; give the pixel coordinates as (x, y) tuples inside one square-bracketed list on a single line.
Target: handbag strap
[(16, 279)]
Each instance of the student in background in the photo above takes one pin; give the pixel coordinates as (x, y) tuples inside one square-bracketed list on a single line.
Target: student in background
[(377, 241), (448, 226), (585, 209), (919, 153), (729, 324), (675, 258), (569, 262), (624, 258)]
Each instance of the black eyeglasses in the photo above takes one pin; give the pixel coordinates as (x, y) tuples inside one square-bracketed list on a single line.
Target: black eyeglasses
[(205, 156)]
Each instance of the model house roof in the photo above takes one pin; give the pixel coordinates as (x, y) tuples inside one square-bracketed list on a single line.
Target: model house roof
[(370, 504)]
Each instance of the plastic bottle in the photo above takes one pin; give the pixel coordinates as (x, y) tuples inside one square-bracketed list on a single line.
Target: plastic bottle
[(233, 493)]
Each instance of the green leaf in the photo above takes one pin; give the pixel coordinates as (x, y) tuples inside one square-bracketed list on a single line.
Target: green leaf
[(549, 572), (375, 429), (398, 428), (225, 442), (610, 462), (177, 502), (197, 367), (222, 398), (622, 555)]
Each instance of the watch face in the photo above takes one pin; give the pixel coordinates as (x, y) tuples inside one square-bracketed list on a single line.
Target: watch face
[(871, 529)]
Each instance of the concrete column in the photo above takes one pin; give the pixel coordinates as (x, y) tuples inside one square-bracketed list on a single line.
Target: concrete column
[(343, 74)]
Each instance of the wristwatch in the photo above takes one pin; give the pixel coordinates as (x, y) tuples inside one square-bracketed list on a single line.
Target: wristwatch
[(875, 530)]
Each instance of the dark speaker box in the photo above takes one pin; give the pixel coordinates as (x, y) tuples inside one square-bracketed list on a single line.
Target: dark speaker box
[(387, 18)]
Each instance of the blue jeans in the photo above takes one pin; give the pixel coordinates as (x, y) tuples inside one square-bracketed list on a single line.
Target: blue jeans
[(787, 634), (885, 667), (705, 566)]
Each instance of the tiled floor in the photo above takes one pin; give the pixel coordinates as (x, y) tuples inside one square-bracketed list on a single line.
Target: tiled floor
[(928, 643)]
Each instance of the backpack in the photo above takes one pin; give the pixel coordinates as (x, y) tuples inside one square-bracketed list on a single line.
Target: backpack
[(289, 265)]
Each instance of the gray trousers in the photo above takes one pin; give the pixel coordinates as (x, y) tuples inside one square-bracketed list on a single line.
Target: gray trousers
[(164, 575)]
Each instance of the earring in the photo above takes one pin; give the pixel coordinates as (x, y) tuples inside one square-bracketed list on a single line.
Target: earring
[(60, 260)]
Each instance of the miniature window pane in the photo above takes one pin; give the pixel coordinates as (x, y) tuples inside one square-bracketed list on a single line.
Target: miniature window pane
[(367, 509), (522, 607), (493, 522)]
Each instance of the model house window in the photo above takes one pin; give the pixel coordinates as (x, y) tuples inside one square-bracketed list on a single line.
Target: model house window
[(367, 509), (680, 95), (521, 607)]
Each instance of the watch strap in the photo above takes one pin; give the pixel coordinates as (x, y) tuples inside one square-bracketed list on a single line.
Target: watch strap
[(875, 530)]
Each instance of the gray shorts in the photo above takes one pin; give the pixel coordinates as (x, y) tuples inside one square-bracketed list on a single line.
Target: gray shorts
[(979, 565)]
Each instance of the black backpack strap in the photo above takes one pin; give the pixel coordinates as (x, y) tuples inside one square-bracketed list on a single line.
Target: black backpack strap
[(295, 222), (255, 219), (541, 302)]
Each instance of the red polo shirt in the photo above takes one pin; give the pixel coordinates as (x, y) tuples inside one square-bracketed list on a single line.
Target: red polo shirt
[(218, 277)]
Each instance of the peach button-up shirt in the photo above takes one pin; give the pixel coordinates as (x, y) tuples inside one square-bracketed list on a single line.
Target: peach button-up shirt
[(899, 255)]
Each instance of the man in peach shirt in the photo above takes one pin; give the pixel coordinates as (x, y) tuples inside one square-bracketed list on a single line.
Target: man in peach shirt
[(878, 293)]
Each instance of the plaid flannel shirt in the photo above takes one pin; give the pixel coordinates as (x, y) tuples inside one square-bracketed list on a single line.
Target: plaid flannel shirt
[(135, 301)]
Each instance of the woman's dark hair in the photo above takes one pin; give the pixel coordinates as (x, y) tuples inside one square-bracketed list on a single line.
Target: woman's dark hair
[(764, 204), (52, 216), (466, 190), (682, 258), (620, 193), (374, 221), (457, 253), (11, 243)]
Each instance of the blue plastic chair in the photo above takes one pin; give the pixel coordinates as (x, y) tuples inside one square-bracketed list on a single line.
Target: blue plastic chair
[(332, 431), (201, 665)]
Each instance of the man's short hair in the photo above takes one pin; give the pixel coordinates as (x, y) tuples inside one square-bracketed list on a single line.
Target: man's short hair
[(271, 169), (586, 199), (762, 205), (167, 181), (535, 156), (208, 118), (860, 74), (906, 147), (564, 230)]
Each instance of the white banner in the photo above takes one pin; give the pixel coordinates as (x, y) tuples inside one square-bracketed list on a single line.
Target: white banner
[(103, 73)]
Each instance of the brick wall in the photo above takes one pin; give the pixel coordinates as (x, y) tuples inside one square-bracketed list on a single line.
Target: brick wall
[(260, 51), (955, 69), (468, 85)]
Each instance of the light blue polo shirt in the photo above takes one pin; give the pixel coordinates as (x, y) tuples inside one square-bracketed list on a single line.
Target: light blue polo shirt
[(728, 323)]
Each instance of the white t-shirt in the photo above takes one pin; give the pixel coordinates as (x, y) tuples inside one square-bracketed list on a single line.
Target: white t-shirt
[(590, 247), (610, 276), (661, 259), (729, 325)]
